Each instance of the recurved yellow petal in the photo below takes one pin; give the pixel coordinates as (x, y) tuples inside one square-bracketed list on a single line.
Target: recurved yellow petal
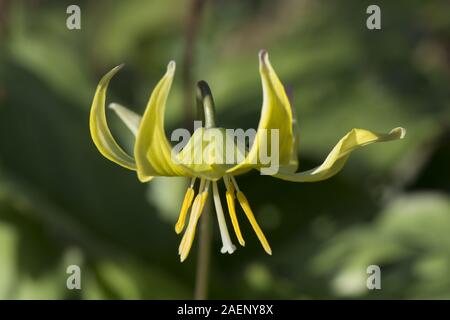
[(100, 133), (292, 166), (152, 150), (337, 158), (276, 114)]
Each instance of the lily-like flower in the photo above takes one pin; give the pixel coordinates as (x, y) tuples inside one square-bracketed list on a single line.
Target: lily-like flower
[(153, 152)]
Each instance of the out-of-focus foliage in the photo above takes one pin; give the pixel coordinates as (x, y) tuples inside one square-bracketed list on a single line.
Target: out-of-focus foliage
[(62, 203)]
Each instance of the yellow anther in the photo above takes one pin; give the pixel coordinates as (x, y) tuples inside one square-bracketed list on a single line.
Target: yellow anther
[(188, 238), (232, 210), (249, 213), (188, 197), (190, 223)]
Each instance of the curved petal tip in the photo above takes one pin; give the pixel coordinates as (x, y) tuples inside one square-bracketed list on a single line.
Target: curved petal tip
[(117, 68), (171, 66), (113, 106), (104, 81), (399, 132), (263, 56)]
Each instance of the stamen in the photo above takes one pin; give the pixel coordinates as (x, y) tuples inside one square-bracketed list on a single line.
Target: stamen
[(192, 182), (196, 212), (234, 183), (249, 213), (188, 197), (226, 241), (232, 210), (192, 215), (190, 223)]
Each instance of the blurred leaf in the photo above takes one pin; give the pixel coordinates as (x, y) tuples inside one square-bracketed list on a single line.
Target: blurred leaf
[(411, 236)]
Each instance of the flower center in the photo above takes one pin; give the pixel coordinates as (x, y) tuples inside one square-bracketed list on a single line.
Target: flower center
[(205, 105)]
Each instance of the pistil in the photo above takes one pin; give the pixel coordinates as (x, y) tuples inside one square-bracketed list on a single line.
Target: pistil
[(228, 246)]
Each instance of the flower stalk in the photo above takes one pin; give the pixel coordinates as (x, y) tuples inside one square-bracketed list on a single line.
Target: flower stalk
[(206, 113)]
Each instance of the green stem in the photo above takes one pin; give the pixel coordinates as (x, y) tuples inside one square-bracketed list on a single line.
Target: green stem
[(206, 112), (193, 24), (204, 255)]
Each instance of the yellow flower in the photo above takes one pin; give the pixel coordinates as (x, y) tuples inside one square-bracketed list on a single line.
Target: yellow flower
[(153, 152)]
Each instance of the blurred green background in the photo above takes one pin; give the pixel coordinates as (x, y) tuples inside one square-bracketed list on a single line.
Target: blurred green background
[(62, 203)]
